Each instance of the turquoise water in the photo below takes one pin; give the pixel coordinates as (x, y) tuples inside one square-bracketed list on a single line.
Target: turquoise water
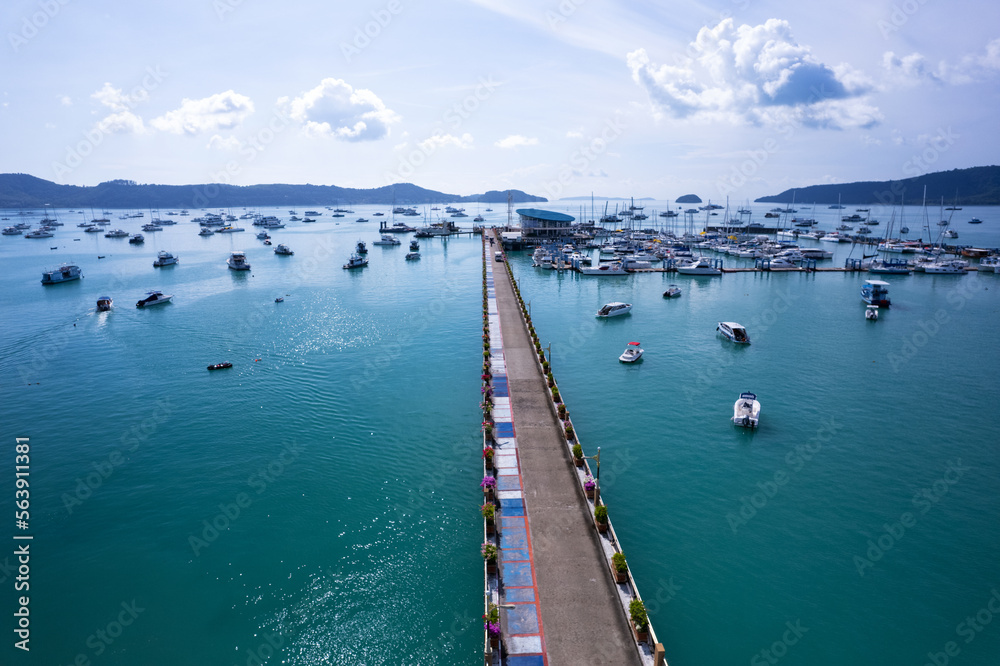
[(352, 446)]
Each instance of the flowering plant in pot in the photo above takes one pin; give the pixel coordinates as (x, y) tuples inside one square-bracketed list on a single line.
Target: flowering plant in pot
[(491, 624), (589, 486), (489, 552), (569, 432), (488, 484), (488, 453), (578, 455), (489, 515), (488, 430)]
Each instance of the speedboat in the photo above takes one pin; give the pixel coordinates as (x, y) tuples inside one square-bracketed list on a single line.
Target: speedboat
[(361, 219), (632, 353), (283, 249), (875, 292), (356, 261), (137, 239), (733, 331), (103, 303), (164, 258), (614, 309), (871, 312), (412, 255), (387, 239), (975, 220), (238, 261), (612, 268), (746, 411), (154, 298), (673, 291), (700, 266), (65, 273), (220, 366), (950, 233)]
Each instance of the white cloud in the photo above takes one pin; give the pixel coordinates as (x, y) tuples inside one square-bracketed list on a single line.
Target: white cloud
[(116, 100), (914, 68), (755, 74), (907, 70), (65, 100), (334, 108), (574, 134), (436, 141), (220, 143), (123, 122), (225, 110), (516, 140)]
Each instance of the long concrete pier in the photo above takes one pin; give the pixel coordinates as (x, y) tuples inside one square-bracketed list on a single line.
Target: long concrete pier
[(558, 600)]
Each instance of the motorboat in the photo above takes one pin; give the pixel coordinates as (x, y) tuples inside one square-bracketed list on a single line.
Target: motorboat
[(989, 265), (356, 261), (612, 268), (875, 292), (361, 219), (362, 248), (154, 298), (279, 299), (673, 291), (283, 249), (137, 239), (104, 303), (414, 245), (263, 236), (116, 233), (205, 231), (43, 233), (975, 220), (164, 258), (891, 267), (871, 312), (220, 366), (65, 273), (733, 331), (238, 261), (267, 242), (746, 410), (950, 233), (11, 231), (312, 213), (387, 239), (700, 266), (632, 353), (412, 256), (229, 230), (948, 267), (400, 228), (151, 227), (614, 309)]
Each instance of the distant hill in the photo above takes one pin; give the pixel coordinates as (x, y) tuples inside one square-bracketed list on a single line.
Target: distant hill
[(976, 186), (689, 198), (18, 190), (588, 198)]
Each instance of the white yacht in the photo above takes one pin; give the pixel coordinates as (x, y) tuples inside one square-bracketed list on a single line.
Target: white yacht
[(283, 249), (65, 273), (947, 267), (387, 239), (154, 298), (950, 233), (733, 331), (270, 222), (632, 353), (116, 233), (238, 261), (11, 231), (746, 411), (42, 233), (263, 235), (673, 291), (137, 239), (700, 266), (871, 312), (164, 258), (356, 261), (614, 309), (412, 255), (151, 227), (612, 268), (989, 265)]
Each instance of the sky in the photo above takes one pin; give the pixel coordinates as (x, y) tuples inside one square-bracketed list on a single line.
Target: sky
[(734, 99)]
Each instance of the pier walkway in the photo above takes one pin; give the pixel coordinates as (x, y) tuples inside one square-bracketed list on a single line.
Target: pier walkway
[(559, 601)]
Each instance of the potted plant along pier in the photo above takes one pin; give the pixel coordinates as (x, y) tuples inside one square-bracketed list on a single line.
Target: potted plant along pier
[(589, 487), (488, 454), (569, 432), (489, 485), (601, 518), (555, 396), (489, 515), (578, 455), (620, 567), (488, 430), (489, 552), (640, 620), (561, 408), (491, 624)]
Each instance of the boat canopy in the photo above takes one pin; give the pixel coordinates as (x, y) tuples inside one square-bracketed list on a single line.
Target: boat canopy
[(634, 343), (748, 396), (880, 283)]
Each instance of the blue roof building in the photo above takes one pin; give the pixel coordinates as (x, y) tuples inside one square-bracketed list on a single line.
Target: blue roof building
[(539, 223)]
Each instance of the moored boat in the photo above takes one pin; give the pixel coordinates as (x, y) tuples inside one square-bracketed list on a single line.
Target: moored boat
[(283, 249), (673, 291), (65, 273), (356, 261), (733, 331), (154, 298), (633, 352), (238, 261), (746, 410), (220, 366), (876, 292), (164, 258), (700, 266), (614, 309)]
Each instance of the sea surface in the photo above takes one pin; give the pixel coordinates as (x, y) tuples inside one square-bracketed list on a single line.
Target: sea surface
[(317, 502)]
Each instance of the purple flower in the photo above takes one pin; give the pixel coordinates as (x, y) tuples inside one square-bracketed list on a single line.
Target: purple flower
[(588, 483), (493, 628), (488, 482)]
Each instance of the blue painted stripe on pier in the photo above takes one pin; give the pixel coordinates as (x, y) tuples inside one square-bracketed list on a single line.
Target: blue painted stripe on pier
[(509, 482), (526, 660), (505, 429), (514, 555), (522, 619), (514, 539), (520, 594), (512, 507), (512, 522), (517, 574)]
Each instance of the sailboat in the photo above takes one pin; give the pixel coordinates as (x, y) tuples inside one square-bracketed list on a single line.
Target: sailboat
[(885, 265)]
